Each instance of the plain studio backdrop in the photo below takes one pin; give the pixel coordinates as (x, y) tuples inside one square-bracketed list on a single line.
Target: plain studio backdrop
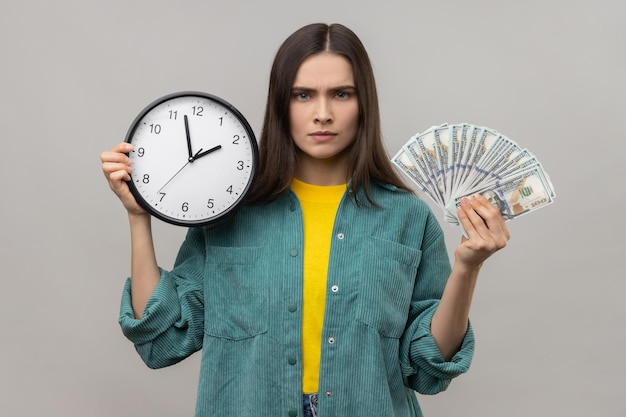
[(548, 311)]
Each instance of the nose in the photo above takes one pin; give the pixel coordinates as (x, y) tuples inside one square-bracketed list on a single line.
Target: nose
[(323, 112)]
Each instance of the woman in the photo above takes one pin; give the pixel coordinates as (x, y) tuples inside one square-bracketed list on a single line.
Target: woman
[(330, 293)]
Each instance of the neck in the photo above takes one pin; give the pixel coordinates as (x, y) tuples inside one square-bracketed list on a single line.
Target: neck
[(322, 171)]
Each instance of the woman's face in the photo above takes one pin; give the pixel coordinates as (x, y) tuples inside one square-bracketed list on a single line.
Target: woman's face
[(323, 111)]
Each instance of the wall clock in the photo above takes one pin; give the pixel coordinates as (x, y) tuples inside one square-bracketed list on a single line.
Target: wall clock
[(194, 160)]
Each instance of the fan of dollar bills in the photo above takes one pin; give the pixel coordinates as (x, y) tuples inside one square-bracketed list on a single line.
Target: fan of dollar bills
[(449, 162)]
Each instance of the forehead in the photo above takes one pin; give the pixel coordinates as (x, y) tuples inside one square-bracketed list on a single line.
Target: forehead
[(324, 70)]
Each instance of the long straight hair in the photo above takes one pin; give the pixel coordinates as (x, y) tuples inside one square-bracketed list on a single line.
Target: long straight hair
[(367, 159)]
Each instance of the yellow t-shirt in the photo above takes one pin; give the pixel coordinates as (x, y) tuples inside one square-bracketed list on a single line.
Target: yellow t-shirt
[(319, 207)]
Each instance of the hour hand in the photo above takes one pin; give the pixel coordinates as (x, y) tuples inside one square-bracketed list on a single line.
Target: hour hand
[(200, 153), (189, 152)]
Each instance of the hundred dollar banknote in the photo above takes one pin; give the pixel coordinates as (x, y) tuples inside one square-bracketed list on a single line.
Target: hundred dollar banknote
[(514, 196), (451, 161)]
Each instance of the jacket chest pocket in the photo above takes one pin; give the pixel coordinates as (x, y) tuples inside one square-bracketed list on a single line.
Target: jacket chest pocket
[(236, 298), (386, 285)]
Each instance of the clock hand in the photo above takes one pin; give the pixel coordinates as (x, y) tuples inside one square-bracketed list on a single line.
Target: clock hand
[(200, 154), (191, 159), (188, 138), (173, 176)]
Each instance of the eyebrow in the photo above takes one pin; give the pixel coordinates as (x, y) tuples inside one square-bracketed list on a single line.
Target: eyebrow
[(338, 88)]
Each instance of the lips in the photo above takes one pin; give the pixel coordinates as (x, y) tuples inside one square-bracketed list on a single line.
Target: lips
[(322, 136)]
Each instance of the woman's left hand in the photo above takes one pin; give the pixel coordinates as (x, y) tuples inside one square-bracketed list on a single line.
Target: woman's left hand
[(486, 230)]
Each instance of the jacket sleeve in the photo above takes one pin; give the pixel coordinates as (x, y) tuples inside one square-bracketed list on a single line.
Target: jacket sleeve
[(172, 325), (423, 367)]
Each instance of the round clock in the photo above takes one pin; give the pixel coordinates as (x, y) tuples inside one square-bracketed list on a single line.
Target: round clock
[(194, 160)]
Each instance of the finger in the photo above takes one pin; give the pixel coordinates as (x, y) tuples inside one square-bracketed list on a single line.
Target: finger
[(115, 160), (109, 156), (491, 214), (470, 218), (123, 147), (465, 223), (482, 241), (119, 175), (483, 223), (496, 234), (109, 167), (117, 151), (474, 226)]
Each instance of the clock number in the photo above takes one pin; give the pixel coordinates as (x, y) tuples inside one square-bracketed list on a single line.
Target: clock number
[(146, 179), (240, 165), (211, 203), (173, 114), (236, 140), (197, 110), (162, 197), (221, 120), (141, 152), (229, 190), (185, 207), (155, 128)]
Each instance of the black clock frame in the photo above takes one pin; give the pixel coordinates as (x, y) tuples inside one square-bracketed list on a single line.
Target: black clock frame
[(255, 160)]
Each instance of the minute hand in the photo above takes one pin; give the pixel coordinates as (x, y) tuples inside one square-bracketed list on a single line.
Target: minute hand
[(190, 154), (200, 154)]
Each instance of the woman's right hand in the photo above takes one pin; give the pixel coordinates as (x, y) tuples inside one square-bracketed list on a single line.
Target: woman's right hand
[(145, 273), (116, 167)]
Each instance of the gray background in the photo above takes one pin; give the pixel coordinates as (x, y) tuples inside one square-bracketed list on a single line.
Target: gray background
[(548, 310)]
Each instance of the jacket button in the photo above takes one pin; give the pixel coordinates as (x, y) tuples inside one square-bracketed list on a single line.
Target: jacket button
[(292, 360), (292, 413), (292, 308), (293, 252)]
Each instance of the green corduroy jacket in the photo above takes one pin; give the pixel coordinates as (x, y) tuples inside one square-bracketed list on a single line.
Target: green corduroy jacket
[(235, 292)]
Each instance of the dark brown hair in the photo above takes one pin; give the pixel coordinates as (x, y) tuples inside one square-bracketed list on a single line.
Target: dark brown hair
[(368, 161)]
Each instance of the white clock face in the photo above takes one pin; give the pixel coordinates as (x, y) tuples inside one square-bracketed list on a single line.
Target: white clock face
[(194, 159)]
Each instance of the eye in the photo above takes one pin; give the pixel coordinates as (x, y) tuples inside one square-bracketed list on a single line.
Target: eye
[(301, 96), (345, 93)]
